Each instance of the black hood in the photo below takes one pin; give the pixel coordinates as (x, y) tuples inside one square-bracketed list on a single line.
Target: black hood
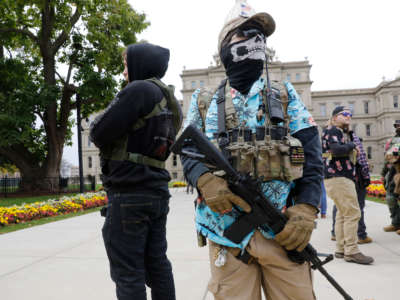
[(146, 60)]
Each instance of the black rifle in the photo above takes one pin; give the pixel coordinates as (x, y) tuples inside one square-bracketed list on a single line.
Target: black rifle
[(249, 189)]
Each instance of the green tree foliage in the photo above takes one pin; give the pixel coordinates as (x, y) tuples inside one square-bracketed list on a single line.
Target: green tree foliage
[(50, 51)]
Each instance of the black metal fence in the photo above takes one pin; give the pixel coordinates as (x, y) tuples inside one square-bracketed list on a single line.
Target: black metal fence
[(10, 185)]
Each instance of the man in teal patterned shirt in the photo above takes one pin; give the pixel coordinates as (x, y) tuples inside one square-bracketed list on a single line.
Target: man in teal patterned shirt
[(242, 48)]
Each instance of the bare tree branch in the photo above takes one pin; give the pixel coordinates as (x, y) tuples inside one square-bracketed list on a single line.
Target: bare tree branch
[(22, 31), (60, 77), (69, 72), (64, 35)]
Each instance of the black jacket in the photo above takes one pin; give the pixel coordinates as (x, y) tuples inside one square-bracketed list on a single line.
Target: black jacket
[(334, 141), (136, 100)]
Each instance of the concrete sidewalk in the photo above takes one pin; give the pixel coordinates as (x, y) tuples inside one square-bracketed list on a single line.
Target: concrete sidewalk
[(66, 260)]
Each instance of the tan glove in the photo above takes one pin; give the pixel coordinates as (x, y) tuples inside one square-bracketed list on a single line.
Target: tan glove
[(217, 195), (297, 232)]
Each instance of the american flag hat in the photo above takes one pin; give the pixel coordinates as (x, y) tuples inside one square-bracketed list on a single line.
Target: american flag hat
[(241, 13)]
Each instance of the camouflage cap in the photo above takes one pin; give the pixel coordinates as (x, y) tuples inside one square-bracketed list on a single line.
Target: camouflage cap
[(242, 13)]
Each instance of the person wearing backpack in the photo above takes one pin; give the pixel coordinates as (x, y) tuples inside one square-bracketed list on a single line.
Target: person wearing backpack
[(134, 134), (271, 137)]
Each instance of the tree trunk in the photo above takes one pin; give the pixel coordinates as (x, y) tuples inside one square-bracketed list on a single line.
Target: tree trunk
[(36, 177)]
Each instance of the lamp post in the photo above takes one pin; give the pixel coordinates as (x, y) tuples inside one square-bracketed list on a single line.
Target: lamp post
[(79, 126)]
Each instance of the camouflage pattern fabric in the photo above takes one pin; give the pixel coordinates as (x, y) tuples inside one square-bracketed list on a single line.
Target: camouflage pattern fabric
[(210, 224)]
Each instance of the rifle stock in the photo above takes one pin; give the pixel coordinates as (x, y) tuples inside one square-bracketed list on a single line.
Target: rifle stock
[(263, 211)]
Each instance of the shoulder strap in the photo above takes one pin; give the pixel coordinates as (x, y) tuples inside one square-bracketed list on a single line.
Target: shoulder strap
[(221, 106), (222, 136), (172, 103), (159, 107)]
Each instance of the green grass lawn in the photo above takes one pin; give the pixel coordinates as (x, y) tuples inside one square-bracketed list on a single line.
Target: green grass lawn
[(376, 199)]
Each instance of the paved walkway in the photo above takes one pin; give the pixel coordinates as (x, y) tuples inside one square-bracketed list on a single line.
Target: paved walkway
[(66, 260)]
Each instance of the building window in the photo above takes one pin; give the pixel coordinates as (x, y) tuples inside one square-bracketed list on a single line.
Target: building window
[(90, 162), (298, 76), (193, 84), (366, 107), (201, 83), (174, 175), (89, 143), (322, 109), (174, 162), (396, 101), (351, 107), (368, 129), (369, 152), (288, 77)]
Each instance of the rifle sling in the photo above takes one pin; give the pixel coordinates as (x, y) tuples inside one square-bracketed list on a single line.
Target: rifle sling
[(221, 107)]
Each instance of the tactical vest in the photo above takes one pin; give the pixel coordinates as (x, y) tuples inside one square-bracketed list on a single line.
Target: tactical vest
[(167, 123), (392, 154), (269, 153)]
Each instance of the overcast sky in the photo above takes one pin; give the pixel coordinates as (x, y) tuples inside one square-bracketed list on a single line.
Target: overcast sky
[(349, 43)]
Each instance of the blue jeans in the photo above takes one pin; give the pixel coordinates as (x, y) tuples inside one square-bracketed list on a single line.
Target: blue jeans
[(134, 235), (361, 232)]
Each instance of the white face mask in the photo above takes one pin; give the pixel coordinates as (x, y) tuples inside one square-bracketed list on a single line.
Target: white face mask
[(253, 48)]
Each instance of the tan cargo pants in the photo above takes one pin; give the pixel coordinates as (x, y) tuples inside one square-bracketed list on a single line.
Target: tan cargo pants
[(280, 278), (343, 192)]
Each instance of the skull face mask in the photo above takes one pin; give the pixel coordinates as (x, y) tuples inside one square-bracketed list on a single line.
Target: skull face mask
[(253, 48), (244, 62)]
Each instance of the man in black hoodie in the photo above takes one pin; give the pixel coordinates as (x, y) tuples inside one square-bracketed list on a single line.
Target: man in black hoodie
[(134, 134)]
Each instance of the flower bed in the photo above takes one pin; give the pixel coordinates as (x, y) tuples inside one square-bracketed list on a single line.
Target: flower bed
[(52, 207), (179, 184), (376, 189)]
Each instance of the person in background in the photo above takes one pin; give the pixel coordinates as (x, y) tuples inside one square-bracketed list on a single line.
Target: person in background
[(391, 172), (339, 155), (363, 180)]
